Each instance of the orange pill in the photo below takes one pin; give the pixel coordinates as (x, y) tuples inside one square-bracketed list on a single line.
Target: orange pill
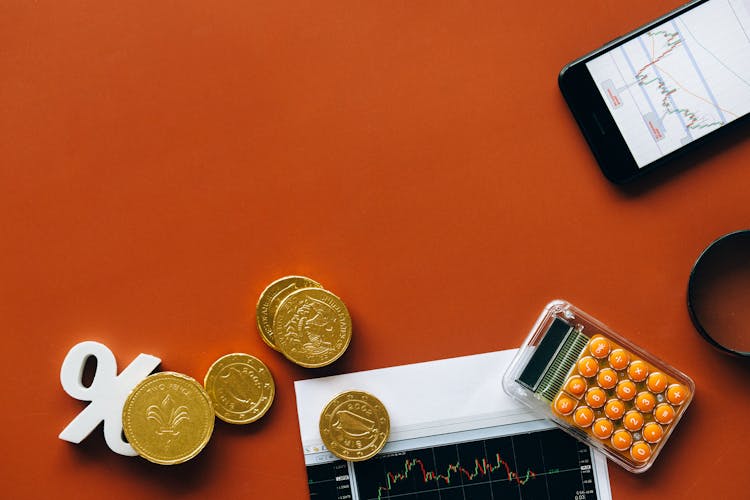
[(619, 359), (564, 405), (652, 432), (657, 382), (645, 401), (638, 371), (614, 409), (595, 397), (625, 390), (640, 451), (607, 378), (583, 416), (664, 414), (677, 394), (576, 386), (588, 366), (602, 428), (599, 347), (622, 439), (633, 420)]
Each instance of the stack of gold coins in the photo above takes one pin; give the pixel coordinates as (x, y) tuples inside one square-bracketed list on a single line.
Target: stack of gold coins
[(168, 418), (306, 323), (354, 426)]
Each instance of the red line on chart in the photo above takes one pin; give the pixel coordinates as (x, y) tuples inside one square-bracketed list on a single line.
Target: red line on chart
[(672, 45), (615, 100), (666, 92), (481, 469)]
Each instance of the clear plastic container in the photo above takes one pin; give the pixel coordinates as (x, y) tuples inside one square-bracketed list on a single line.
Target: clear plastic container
[(598, 386)]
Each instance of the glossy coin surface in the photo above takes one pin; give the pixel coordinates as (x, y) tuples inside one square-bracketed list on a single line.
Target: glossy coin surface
[(270, 299), (168, 418), (354, 426), (241, 388), (312, 327)]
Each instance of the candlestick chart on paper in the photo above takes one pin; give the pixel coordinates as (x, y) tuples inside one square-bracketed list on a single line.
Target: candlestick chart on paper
[(545, 464), (680, 80), (540, 465)]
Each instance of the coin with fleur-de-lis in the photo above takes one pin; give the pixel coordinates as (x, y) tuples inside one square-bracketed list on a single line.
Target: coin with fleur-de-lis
[(168, 418)]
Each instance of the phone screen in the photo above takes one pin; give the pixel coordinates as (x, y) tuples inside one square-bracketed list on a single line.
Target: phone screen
[(680, 80)]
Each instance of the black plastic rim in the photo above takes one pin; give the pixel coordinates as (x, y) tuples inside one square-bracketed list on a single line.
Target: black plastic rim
[(691, 299)]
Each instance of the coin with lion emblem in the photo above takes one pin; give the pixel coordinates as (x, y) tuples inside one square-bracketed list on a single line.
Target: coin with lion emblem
[(270, 299), (312, 327)]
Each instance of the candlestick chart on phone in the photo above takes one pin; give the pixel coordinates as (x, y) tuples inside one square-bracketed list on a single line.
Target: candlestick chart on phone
[(680, 80)]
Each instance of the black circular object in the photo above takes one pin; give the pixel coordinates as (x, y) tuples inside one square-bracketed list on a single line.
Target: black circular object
[(719, 293)]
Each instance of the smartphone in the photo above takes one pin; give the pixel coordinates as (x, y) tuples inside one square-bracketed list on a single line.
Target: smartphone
[(663, 89)]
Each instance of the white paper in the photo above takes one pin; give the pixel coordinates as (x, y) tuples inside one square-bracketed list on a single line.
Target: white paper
[(429, 404)]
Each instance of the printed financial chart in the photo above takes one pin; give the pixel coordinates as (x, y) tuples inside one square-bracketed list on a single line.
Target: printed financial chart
[(541, 464), (680, 80)]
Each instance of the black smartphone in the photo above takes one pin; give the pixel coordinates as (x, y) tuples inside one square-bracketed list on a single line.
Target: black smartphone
[(663, 89)]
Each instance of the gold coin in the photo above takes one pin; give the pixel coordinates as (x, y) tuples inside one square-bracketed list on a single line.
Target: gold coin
[(168, 418), (270, 299), (241, 388), (312, 327), (354, 426)]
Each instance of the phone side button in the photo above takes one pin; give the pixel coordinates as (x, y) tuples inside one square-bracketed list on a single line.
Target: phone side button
[(598, 124)]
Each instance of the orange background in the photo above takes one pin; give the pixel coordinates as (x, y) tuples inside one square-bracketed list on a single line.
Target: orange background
[(161, 162)]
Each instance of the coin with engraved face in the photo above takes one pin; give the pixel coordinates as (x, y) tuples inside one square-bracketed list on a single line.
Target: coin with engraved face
[(240, 387), (168, 418), (312, 327), (354, 426), (270, 299)]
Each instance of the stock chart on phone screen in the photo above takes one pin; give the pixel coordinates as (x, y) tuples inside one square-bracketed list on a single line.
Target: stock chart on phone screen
[(680, 80)]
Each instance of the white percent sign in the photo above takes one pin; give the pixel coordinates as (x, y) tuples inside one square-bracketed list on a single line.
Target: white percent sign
[(107, 392)]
